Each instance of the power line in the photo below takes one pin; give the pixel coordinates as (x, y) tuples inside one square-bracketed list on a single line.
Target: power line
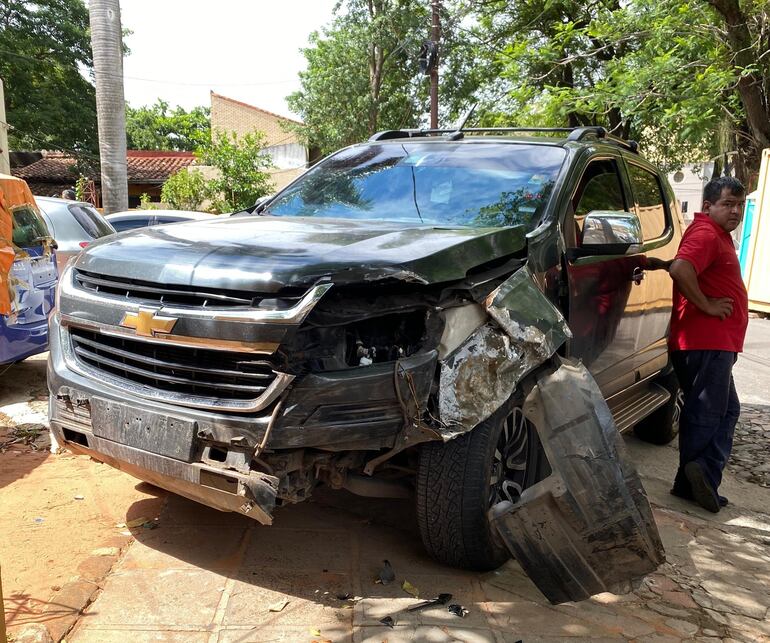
[(168, 82)]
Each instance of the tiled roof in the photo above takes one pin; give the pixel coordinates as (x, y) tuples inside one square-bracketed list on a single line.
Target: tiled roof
[(144, 166)]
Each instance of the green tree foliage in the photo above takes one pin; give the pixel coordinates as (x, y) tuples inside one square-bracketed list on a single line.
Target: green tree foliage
[(186, 189), (242, 165), (677, 75), (156, 127), (362, 72), (43, 45), (689, 79)]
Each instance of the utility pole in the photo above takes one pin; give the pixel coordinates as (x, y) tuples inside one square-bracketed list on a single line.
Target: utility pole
[(5, 159), (435, 36)]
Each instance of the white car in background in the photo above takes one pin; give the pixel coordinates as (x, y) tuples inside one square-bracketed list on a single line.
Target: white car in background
[(73, 224)]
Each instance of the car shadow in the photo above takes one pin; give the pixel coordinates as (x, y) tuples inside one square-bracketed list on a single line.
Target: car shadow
[(323, 556)]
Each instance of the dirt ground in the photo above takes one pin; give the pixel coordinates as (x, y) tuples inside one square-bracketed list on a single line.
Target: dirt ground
[(61, 516)]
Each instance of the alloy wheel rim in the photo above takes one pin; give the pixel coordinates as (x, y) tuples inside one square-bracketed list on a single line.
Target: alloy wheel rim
[(511, 459)]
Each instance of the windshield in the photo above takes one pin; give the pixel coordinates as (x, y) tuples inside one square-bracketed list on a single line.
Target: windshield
[(464, 184)]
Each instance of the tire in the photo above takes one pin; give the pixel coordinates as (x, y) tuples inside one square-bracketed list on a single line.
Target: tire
[(662, 425), (458, 481)]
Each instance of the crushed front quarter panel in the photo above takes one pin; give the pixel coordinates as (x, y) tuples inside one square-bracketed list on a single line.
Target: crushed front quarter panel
[(478, 377), (588, 527)]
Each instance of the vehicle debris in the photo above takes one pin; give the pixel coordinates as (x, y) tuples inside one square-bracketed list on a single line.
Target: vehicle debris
[(388, 620), (588, 527), (441, 599), (458, 610), (386, 575)]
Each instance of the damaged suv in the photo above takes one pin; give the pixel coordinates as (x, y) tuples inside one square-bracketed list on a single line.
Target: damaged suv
[(394, 323)]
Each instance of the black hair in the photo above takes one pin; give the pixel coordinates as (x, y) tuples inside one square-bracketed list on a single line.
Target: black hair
[(713, 190)]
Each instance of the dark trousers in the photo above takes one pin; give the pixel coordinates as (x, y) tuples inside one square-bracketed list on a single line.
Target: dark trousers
[(710, 412)]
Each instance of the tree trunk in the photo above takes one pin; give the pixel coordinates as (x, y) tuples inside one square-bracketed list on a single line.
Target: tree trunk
[(750, 85), (107, 46)]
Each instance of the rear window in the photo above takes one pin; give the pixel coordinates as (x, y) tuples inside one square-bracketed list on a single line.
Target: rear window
[(91, 221), (28, 228), (129, 224)]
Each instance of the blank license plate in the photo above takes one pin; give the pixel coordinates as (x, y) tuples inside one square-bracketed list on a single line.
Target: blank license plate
[(154, 432)]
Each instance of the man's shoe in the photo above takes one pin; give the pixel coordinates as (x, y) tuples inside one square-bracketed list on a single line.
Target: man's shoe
[(702, 491), (723, 501)]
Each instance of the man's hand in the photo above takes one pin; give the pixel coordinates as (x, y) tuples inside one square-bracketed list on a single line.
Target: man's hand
[(653, 263), (683, 273), (721, 307)]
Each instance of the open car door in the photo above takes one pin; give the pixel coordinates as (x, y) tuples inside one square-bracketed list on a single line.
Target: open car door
[(587, 527)]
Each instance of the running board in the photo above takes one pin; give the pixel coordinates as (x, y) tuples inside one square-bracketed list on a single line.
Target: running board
[(632, 407)]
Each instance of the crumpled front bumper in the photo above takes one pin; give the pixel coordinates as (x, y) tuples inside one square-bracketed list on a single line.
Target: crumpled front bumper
[(163, 444)]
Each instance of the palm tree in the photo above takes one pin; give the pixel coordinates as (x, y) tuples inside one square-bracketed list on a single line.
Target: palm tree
[(107, 46)]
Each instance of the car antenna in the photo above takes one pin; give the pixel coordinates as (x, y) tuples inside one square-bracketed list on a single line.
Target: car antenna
[(457, 134)]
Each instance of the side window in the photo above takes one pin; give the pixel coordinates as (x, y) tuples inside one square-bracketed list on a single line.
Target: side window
[(599, 189), (648, 194), (28, 228)]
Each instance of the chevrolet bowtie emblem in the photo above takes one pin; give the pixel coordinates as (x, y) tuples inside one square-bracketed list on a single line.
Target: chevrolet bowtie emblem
[(147, 322)]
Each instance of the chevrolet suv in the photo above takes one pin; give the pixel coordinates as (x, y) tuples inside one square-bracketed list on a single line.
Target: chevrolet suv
[(380, 325)]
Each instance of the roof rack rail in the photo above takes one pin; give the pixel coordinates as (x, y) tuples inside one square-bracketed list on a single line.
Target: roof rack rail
[(599, 132), (573, 133)]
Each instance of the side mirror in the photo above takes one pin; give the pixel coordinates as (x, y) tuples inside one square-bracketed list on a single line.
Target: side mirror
[(611, 232)]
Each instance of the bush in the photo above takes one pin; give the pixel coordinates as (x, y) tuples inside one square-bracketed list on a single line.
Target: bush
[(186, 189)]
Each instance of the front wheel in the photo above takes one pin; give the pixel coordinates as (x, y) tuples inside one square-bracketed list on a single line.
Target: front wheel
[(458, 481)]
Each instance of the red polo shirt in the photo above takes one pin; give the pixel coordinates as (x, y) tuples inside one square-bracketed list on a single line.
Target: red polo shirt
[(711, 252)]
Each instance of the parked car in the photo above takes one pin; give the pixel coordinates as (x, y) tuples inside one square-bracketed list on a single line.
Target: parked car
[(133, 219), (73, 224), (27, 273), (407, 319)]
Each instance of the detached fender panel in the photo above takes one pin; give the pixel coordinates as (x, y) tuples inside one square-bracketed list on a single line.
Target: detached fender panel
[(588, 527)]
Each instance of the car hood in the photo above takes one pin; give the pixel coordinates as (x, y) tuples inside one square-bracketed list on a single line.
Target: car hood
[(265, 254)]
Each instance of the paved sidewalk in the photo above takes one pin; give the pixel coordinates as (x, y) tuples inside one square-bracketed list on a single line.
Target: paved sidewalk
[(206, 576)]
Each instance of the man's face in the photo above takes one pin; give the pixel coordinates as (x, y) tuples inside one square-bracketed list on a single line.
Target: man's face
[(727, 211)]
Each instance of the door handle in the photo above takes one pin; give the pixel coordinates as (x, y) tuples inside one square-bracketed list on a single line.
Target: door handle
[(637, 275)]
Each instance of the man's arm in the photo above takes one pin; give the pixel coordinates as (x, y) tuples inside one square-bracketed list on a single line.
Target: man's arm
[(653, 263), (683, 273)]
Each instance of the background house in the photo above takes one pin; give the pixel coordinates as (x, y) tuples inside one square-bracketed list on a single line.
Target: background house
[(48, 173), (289, 155), (688, 184)]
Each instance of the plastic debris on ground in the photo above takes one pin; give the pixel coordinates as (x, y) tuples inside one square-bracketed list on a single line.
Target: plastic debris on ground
[(458, 610), (441, 599), (386, 575)]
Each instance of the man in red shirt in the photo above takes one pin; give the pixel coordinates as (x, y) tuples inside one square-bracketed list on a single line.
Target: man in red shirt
[(708, 325)]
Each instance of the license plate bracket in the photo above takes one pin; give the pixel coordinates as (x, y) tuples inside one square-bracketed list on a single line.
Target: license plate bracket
[(158, 433)]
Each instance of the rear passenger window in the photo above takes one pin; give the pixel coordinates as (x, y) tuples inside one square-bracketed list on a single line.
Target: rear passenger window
[(28, 228), (599, 189), (91, 221), (648, 194)]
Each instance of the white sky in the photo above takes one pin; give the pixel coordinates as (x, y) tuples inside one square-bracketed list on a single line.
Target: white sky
[(244, 49)]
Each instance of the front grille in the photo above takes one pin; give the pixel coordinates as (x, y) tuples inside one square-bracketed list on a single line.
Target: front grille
[(180, 295), (171, 369)]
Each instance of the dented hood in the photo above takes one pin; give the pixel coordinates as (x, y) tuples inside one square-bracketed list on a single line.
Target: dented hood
[(266, 253)]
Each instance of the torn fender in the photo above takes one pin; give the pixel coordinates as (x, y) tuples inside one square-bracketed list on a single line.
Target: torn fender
[(477, 378), (588, 527), (527, 316)]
